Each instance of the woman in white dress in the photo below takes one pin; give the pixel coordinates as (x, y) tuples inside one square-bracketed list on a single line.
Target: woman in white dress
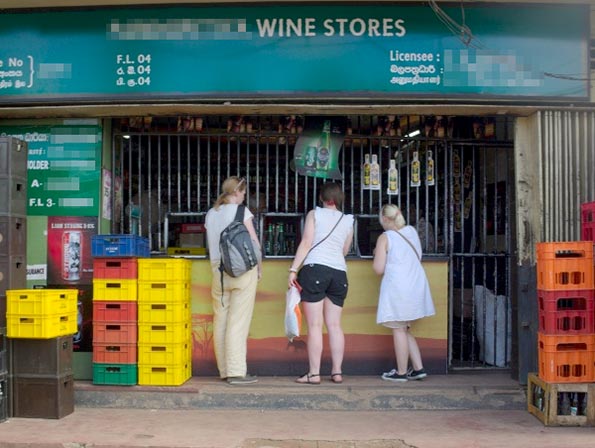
[(404, 291)]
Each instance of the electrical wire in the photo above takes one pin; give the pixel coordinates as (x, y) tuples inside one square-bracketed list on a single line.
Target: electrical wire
[(461, 30)]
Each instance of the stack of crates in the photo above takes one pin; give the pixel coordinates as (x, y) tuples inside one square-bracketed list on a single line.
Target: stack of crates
[(13, 218), (13, 249), (3, 376), (562, 391), (164, 322), (41, 325), (115, 308)]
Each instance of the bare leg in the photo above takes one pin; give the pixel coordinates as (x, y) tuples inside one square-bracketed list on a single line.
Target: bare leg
[(314, 318), (414, 352), (401, 342), (332, 319)]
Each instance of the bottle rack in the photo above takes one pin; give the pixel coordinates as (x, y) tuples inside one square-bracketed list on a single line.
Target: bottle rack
[(280, 234)]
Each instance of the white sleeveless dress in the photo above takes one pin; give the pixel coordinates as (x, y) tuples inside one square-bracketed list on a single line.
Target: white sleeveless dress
[(404, 291)]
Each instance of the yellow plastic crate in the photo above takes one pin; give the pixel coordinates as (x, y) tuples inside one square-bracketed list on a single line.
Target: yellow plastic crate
[(162, 333), (151, 375), (164, 269), (164, 292), (151, 312), (41, 302), (37, 327), (117, 289), (164, 354)]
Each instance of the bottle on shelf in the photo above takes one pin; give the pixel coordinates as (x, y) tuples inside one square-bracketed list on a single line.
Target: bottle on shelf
[(366, 171), (415, 171), (268, 240), (393, 178), (375, 173), (280, 241)]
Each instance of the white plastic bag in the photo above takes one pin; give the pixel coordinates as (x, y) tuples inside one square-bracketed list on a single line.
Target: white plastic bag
[(293, 314)]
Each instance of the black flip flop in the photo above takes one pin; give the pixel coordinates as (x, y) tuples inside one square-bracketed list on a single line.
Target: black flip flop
[(333, 375), (308, 377)]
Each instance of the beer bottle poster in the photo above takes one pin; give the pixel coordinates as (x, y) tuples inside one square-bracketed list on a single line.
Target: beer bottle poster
[(316, 151), (69, 250)]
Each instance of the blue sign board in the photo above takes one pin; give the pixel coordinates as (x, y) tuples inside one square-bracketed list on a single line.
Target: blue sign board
[(299, 51)]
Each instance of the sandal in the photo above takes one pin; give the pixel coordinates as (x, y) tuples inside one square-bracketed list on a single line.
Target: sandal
[(306, 378), (336, 380)]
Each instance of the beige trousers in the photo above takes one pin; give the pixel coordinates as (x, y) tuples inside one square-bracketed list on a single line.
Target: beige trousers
[(232, 311)]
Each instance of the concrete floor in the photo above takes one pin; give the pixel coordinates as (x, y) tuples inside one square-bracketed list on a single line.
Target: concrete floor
[(450, 411)]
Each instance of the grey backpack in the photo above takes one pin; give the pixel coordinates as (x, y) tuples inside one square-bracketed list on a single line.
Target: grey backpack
[(238, 252)]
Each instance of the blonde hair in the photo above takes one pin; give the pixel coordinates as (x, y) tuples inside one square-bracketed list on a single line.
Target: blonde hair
[(229, 187), (394, 214)]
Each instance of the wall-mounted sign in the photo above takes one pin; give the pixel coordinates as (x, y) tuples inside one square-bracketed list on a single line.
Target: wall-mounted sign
[(316, 152), (302, 51), (63, 168)]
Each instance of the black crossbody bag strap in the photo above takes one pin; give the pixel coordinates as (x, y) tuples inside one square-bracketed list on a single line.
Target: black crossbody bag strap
[(329, 234)]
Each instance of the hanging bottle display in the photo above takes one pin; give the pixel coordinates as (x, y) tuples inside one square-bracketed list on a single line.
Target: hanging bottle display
[(393, 178), (430, 179), (366, 170), (468, 174), (415, 171), (456, 163), (374, 173)]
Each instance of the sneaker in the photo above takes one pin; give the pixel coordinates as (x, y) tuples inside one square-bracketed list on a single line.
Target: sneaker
[(248, 379), (392, 372), (395, 377), (417, 374)]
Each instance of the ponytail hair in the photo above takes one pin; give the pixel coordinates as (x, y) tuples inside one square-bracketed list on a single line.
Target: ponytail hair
[(229, 187), (394, 214)]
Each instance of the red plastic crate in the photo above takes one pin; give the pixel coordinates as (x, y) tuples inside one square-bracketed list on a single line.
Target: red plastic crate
[(115, 268), (566, 312), (115, 333), (115, 353), (565, 265), (566, 358), (588, 212), (108, 311)]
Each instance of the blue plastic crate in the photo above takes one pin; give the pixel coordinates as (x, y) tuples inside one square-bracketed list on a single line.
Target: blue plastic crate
[(119, 246)]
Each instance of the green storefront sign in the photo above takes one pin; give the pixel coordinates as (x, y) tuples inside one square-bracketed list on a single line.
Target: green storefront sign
[(313, 51), (63, 168)]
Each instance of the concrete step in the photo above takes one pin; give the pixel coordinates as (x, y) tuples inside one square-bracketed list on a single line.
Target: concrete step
[(489, 391)]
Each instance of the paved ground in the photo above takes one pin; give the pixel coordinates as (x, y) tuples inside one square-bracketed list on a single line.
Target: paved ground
[(253, 417)]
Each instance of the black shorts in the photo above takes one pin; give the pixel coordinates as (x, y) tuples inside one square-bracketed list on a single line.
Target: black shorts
[(318, 281)]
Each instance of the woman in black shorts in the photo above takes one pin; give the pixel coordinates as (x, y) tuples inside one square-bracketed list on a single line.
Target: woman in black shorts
[(328, 234)]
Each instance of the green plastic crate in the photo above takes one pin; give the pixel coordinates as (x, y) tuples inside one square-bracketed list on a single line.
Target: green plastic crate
[(115, 374)]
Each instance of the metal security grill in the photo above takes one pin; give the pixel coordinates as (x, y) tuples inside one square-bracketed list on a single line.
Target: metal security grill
[(453, 183), (567, 143)]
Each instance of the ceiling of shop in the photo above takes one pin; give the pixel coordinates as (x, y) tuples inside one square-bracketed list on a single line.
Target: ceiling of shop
[(21, 4)]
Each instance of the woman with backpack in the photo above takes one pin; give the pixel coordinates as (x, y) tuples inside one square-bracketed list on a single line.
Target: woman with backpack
[(326, 240), (233, 296)]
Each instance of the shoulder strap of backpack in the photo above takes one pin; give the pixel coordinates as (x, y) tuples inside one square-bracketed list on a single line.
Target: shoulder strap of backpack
[(240, 213), (240, 218)]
